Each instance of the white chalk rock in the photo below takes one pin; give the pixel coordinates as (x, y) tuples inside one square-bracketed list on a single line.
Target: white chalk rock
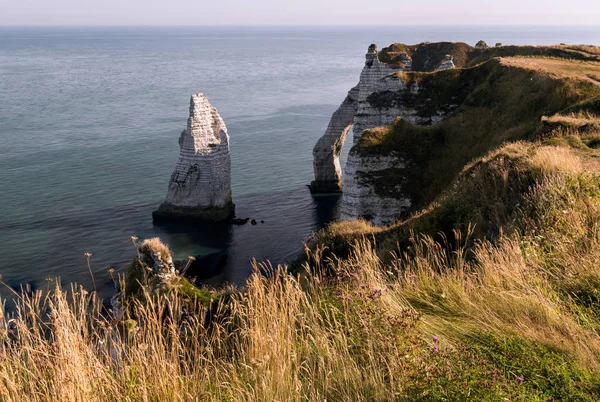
[(377, 100), (356, 113), (200, 186), (361, 200), (446, 64)]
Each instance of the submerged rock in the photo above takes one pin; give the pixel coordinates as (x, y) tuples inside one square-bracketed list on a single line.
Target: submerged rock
[(200, 186), (239, 221)]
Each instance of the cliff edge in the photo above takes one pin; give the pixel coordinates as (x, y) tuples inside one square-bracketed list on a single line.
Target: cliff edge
[(420, 113)]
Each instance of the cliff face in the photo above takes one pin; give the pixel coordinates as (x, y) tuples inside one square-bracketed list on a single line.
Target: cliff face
[(200, 186), (419, 113), (354, 112), (376, 101)]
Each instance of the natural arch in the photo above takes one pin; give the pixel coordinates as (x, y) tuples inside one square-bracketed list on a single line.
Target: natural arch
[(326, 153)]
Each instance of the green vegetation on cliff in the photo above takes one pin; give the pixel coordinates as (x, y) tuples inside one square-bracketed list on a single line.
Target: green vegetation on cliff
[(426, 56), (494, 102)]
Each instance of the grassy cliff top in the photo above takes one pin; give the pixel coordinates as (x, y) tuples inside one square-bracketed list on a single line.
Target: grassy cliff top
[(498, 101), (425, 56), (563, 68)]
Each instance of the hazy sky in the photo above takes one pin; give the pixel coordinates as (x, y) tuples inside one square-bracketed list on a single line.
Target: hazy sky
[(304, 12)]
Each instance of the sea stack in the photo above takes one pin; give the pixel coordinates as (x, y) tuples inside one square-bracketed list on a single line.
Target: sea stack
[(200, 186)]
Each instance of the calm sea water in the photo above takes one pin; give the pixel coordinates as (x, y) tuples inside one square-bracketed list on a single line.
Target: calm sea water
[(90, 117)]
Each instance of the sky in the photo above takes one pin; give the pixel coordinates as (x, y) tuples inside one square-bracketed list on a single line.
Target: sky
[(304, 12)]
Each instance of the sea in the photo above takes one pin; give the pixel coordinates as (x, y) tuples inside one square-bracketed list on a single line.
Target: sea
[(90, 119)]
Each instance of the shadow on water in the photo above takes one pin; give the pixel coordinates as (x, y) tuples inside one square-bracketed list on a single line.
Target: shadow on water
[(215, 239), (224, 253), (326, 208)]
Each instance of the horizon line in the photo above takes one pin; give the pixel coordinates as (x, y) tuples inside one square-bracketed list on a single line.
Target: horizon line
[(474, 25)]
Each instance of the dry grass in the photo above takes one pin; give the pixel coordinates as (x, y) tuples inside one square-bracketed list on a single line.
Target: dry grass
[(155, 246), (585, 70), (515, 318), (558, 159), (578, 118)]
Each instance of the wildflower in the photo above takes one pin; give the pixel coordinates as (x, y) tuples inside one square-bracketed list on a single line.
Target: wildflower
[(435, 338), (520, 379), (134, 238), (87, 255), (130, 324)]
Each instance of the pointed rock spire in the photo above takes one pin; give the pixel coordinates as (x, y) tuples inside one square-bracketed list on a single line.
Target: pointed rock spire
[(200, 186)]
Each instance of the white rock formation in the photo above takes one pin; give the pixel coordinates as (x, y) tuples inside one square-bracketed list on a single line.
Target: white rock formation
[(360, 199), (326, 153), (376, 101), (355, 112), (200, 186), (447, 64), (376, 79), (407, 61)]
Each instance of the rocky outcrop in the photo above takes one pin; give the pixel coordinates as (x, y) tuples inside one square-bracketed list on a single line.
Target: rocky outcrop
[(405, 61), (447, 64), (481, 45), (326, 153), (200, 186), (403, 92), (361, 197), (354, 112), (380, 97)]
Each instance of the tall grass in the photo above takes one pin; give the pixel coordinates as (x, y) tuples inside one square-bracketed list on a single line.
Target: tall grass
[(516, 319)]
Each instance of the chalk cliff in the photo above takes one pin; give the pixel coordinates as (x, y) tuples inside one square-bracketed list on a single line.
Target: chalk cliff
[(200, 186), (404, 94), (376, 101), (354, 112)]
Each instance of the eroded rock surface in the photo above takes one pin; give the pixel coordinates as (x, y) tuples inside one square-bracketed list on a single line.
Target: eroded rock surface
[(421, 85), (362, 199), (380, 97), (200, 186), (354, 112), (481, 45), (447, 64)]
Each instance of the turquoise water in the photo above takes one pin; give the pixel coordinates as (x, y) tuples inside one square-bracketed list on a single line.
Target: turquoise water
[(90, 117)]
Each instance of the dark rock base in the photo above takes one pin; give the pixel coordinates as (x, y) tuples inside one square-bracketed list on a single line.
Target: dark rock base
[(325, 187), (169, 212)]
